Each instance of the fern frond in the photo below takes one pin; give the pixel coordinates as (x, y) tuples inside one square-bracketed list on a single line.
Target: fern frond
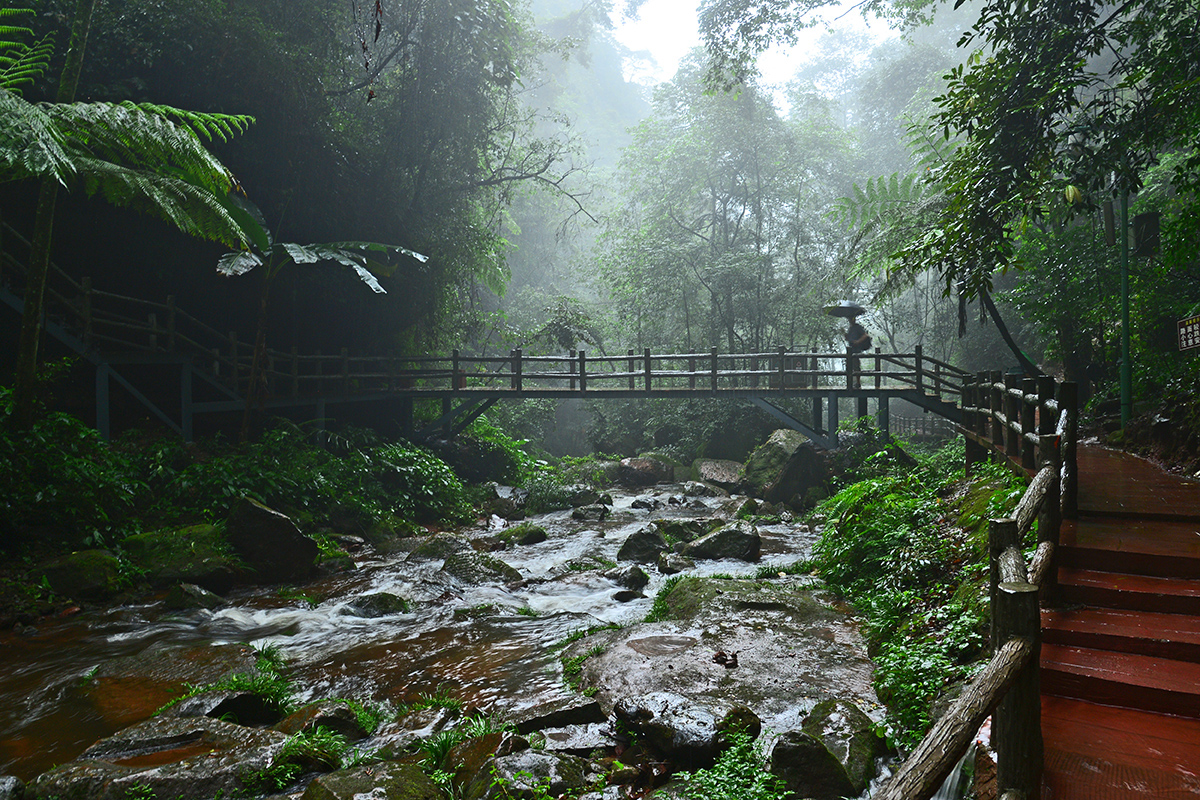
[(202, 124), (21, 64), (31, 144), (193, 209)]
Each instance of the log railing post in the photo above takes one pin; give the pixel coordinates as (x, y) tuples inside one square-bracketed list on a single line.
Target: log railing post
[(516, 370), (1017, 722), (1012, 415), (1050, 517), (996, 406), (582, 372), (1068, 399), (571, 369), (713, 368), (631, 370), (1002, 534), (1028, 423), (646, 365), (1045, 393), (919, 369)]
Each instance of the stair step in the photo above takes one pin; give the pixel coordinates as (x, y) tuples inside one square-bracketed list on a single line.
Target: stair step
[(1132, 592), (1126, 680), (1172, 636), (1098, 752), (1136, 546)]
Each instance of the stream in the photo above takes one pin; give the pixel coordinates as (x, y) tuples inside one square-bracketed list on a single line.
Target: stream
[(485, 644)]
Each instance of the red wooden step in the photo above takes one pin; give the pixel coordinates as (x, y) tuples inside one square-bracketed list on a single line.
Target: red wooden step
[(1133, 592), (1173, 636), (1112, 482), (1128, 680), (1096, 752), (1135, 546)]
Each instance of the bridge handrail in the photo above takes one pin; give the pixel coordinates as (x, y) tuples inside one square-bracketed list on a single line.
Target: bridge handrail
[(1008, 686)]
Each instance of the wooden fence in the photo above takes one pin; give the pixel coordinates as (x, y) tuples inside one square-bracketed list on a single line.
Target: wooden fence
[(1022, 421)]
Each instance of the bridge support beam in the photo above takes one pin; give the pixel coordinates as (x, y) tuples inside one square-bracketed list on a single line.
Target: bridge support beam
[(817, 437)]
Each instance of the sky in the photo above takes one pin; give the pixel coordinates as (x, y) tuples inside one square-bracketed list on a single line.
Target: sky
[(667, 30)]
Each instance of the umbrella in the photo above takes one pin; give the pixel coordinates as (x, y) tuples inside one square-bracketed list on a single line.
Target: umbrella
[(845, 308)]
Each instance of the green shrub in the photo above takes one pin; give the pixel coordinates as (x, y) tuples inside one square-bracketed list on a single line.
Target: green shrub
[(740, 773), (419, 485)]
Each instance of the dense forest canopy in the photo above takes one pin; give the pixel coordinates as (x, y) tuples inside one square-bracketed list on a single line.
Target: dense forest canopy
[(561, 206)]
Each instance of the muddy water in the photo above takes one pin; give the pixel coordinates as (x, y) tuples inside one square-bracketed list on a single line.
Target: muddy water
[(493, 653)]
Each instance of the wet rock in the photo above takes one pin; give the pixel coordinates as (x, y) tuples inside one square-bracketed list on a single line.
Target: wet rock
[(646, 503), (11, 788), (766, 463), (84, 575), (642, 546), (684, 730), (391, 780), (681, 530), (739, 540), (630, 577), (825, 765), (526, 533), (467, 759), (703, 489), (128, 689), (193, 554), (330, 714), (627, 595), (580, 494), (739, 508), (378, 604), (439, 546), (574, 710), (475, 568), (592, 513), (394, 739), (578, 740), (243, 708), (181, 758), (805, 475), (529, 774), (673, 563), (184, 596), (645, 471), (850, 736), (504, 501), (722, 473), (270, 543)]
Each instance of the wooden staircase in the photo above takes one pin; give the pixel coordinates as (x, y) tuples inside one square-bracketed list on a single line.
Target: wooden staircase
[(1120, 663)]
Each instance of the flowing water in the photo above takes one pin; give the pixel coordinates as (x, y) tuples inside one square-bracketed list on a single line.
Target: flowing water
[(497, 660)]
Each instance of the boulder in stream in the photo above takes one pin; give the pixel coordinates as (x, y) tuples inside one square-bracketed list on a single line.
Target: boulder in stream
[(270, 543), (195, 554), (834, 755), (194, 758), (738, 540), (11, 788), (378, 604), (475, 568), (529, 774), (391, 780), (630, 577), (84, 575), (718, 472), (184, 596), (765, 464), (330, 714), (645, 471), (642, 546), (687, 731)]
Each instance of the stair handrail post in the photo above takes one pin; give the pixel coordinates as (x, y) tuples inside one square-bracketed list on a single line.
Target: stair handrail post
[(1028, 422), (972, 422), (1068, 400), (1002, 534), (1017, 721), (1050, 516), (1012, 415), (1045, 393)]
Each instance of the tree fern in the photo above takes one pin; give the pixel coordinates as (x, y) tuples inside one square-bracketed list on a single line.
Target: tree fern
[(881, 197), (20, 62)]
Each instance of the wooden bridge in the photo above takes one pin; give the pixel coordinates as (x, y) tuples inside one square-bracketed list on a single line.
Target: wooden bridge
[(119, 334)]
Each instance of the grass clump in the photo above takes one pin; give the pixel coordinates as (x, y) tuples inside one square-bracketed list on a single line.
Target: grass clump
[(740, 773)]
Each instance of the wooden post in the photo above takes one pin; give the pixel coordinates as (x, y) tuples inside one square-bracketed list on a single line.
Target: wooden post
[(454, 371), (713, 369), (1028, 423), (646, 365), (1002, 534), (571, 370), (782, 368), (1050, 518), (996, 406), (86, 285), (919, 369), (1068, 399), (516, 370), (691, 373), (631, 370), (816, 398), (878, 368), (1012, 415), (582, 372), (1045, 393), (345, 371), (973, 421), (937, 380), (1017, 722), (295, 372)]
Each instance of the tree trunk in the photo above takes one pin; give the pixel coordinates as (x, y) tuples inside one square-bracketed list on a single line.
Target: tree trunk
[(25, 378)]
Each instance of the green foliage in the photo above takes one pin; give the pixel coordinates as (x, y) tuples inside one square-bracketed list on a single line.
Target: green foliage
[(740, 773), (880, 198), (889, 547), (660, 610), (572, 666), (516, 465), (547, 492), (21, 63), (269, 682), (418, 484)]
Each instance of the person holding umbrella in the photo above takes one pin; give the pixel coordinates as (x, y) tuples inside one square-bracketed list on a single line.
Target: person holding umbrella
[(857, 338)]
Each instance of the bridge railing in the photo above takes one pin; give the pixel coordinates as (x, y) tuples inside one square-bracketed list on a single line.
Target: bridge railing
[(1015, 419)]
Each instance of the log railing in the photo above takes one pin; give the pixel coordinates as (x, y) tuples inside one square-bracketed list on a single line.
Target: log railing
[(1016, 419)]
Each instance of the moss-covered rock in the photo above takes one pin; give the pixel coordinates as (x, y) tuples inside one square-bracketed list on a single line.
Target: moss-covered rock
[(391, 780), (474, 568), (84, 575), (766, 463), (193, 554)]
